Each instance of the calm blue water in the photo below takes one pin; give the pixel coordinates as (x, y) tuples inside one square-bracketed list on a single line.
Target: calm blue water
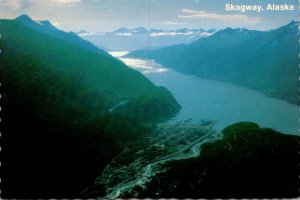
[(204, 99)]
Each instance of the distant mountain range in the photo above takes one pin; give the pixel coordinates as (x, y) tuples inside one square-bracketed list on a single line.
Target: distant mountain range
[(264, 61), (69, 108), (142, 38)]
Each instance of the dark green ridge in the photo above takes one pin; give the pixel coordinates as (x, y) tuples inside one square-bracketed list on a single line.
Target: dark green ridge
[(47, 28), (57, 131)]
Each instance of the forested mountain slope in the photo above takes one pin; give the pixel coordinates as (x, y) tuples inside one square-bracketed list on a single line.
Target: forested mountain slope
[(264, 61), (58, 126)]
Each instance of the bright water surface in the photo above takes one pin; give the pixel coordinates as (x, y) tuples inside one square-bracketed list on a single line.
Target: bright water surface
[(204, 99)]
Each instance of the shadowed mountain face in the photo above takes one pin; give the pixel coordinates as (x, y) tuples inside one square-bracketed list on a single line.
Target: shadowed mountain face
[(64, 116), (249, 162), (47, 28), (263, 61)]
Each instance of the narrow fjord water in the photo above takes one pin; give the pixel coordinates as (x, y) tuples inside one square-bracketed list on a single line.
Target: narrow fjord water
[(204, 99)]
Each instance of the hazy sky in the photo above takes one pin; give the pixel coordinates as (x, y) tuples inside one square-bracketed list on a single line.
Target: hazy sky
[(107, 15)]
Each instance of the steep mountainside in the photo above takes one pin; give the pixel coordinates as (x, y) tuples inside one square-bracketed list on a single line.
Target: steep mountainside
[(66, 112), (47, 28), (263, 61)]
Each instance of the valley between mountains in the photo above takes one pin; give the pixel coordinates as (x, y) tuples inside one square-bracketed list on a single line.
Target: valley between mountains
[(214, 117)]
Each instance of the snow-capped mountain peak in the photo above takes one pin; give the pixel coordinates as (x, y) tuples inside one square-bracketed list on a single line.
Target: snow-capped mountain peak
[(140, 37)]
